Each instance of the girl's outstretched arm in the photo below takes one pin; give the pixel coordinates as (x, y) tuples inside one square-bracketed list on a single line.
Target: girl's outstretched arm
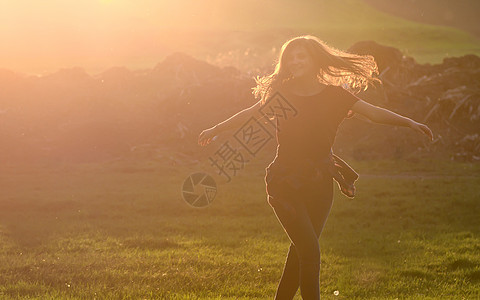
[(385, 116), (207, 135)]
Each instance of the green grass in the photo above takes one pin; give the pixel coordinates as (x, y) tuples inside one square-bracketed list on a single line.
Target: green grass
[(426, 43), (225, 38), (121, 230)]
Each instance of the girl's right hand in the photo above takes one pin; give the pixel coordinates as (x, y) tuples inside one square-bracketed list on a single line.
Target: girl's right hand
[(421, 128), (207, 136)]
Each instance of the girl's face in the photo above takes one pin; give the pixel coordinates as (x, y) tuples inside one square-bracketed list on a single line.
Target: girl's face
[(299, 63)]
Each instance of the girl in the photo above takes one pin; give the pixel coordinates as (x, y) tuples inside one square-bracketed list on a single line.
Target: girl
[(310, 78)]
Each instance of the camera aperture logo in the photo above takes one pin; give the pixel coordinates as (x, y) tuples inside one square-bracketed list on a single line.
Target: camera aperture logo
[(199, 189)]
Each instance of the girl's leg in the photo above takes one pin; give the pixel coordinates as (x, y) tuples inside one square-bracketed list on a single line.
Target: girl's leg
[(303, 271), (290, 280), (318, 208)]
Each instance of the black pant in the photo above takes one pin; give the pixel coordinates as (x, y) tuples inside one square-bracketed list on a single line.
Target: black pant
[(302, 213)]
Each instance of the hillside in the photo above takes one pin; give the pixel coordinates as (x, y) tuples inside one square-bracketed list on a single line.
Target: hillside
[(462, 14), (242, 34), (70, 115)]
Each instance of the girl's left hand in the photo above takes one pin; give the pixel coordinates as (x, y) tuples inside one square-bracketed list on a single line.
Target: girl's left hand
[(422, 128), (207, 136)]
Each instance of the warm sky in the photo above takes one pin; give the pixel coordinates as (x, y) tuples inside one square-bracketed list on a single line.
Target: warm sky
[(42, 36), (36, 34)]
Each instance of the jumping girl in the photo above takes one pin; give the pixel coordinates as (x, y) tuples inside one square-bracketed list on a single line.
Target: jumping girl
[(319, 82)]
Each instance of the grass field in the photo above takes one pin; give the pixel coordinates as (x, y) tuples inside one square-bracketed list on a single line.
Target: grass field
[(250, 36), (235, 32), (121, 230)]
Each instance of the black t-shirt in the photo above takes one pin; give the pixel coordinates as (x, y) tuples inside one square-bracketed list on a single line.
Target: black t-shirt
[(310, 133)]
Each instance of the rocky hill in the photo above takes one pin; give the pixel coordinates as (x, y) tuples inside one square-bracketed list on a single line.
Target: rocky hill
[(73, 116)]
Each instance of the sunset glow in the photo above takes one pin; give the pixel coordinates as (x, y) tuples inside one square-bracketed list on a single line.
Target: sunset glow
[(43, 36), (239, 149)]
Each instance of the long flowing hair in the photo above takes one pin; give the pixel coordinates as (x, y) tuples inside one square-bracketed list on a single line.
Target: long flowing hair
[(335, 67)]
